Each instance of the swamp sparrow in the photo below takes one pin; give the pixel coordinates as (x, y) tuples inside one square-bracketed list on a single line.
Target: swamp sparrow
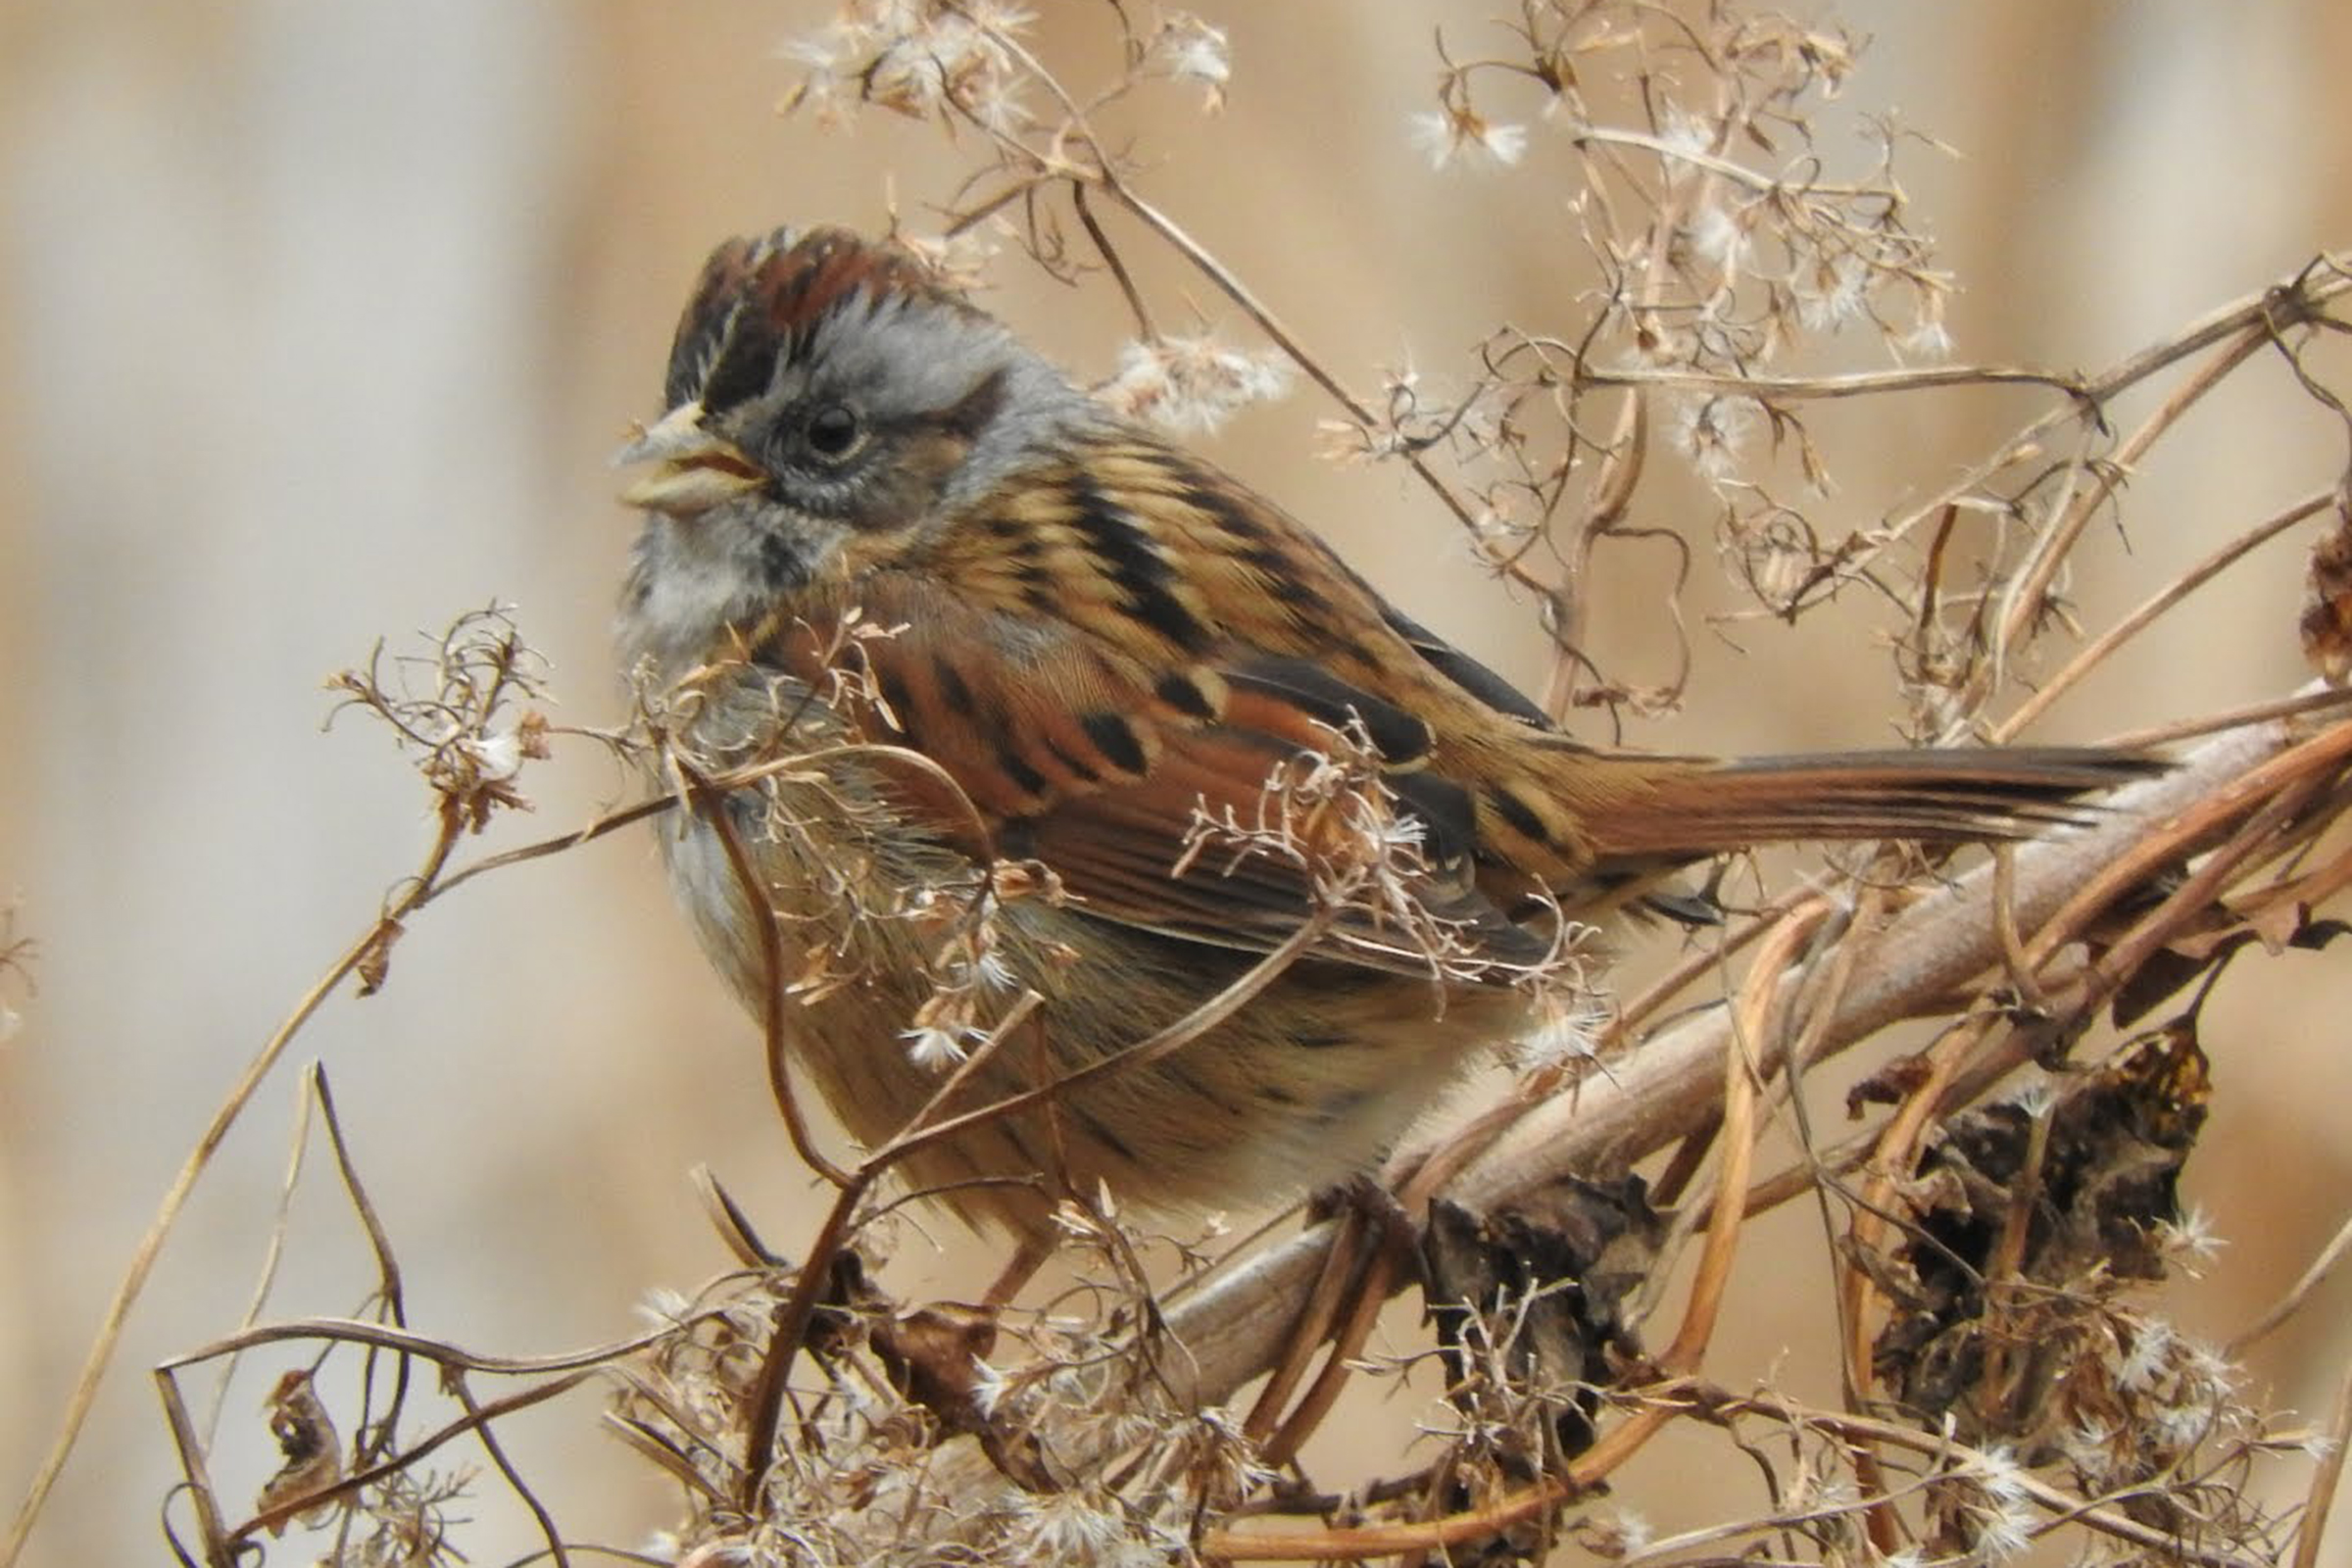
[(978, 619)]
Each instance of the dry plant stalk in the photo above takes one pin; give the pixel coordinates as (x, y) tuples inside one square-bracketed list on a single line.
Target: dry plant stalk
[(807, 1416)]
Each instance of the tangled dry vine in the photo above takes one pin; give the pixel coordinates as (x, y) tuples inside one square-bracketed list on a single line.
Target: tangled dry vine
[(2006, 1377)]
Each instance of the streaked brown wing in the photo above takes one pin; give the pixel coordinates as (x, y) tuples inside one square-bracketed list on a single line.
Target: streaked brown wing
[(1107, 772), (1151, 551)]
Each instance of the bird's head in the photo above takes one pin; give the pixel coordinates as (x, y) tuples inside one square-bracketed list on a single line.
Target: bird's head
[(828, 404)]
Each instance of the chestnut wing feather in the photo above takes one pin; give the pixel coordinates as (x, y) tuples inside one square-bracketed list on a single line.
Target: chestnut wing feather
[(1107, 772)]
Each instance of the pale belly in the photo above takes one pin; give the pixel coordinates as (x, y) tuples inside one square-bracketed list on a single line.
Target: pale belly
[(1309, 1082)]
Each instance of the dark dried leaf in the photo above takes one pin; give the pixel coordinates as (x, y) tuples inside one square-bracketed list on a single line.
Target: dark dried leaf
[(2061, 1215), (2326, 623), (1544, 1280), (934, 1356), (375, 963), (2167, 972), (2211, 942), (312, 1452), (1891, 1085)]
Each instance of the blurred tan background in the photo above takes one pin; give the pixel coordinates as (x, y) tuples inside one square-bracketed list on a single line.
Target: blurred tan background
[(317, 323)]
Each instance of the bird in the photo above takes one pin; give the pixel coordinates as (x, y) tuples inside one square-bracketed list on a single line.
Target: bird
[(981, 623)]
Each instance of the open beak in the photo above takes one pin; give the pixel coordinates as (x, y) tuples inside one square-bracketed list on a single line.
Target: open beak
[(696, 468)]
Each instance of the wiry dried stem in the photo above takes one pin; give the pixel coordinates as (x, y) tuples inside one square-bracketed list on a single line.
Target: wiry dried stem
[(2338, 1248), (1718, 236), (183, 1185)]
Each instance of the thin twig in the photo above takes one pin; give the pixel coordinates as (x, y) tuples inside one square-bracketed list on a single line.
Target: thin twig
[(183, 1184), (714, 808), (2164, 599), (2338, 1247), (2327, 1475)]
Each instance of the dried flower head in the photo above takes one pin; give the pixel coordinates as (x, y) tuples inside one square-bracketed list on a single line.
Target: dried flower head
[(1186, 48), (1461, 136), (452, 711), (1192, 385)]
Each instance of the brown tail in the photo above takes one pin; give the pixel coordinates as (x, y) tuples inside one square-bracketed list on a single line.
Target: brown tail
[(1943, 797)]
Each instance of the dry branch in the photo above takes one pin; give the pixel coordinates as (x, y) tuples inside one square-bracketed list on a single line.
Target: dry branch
[(1231, 1323), (1717, 237)]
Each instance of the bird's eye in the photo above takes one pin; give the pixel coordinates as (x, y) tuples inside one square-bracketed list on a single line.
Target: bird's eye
[(833, 431)]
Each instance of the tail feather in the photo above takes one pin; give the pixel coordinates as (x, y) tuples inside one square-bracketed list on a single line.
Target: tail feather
[(1939, 797)]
